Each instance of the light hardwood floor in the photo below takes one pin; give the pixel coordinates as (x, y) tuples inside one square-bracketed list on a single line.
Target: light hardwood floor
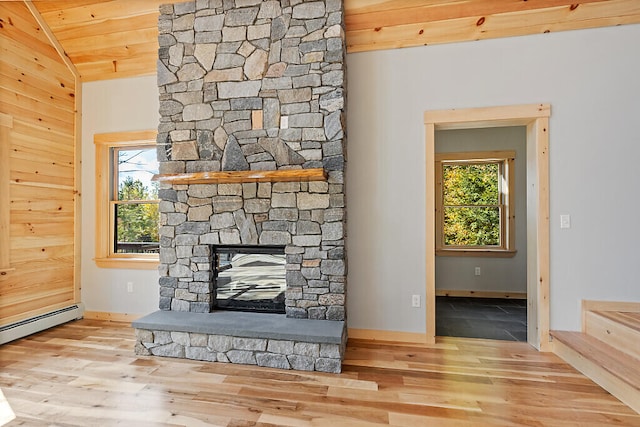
[(85, 374)]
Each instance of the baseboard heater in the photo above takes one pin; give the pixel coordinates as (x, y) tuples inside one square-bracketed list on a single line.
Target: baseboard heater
[(39, 323)]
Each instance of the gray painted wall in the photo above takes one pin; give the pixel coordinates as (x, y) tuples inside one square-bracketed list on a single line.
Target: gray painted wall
[(113, 106), (590, 78), (497, 274)]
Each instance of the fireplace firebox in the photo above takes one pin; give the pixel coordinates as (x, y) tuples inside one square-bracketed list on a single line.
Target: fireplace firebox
[(249, 278)]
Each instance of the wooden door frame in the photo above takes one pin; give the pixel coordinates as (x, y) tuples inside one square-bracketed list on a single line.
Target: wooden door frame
[(536, 119)]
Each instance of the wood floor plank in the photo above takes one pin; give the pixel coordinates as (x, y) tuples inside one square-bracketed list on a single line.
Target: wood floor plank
[(85, 373)]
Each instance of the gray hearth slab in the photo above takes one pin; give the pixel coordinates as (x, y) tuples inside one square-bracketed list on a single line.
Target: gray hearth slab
[(248, 325)]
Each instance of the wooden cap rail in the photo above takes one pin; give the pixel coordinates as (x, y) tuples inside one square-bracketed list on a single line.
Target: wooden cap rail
[(238, 177)]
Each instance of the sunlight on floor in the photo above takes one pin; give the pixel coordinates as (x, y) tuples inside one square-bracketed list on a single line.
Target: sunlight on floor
[(6, 413)]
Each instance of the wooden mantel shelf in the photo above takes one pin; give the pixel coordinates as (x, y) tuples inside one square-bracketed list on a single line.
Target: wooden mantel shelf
[(238, 177)]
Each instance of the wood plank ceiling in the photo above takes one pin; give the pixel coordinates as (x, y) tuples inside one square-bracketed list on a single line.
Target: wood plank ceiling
[(106, 39), (118, 38)]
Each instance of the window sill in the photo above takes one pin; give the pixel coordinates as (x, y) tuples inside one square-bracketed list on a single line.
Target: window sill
[(487, 253), (128, 263)]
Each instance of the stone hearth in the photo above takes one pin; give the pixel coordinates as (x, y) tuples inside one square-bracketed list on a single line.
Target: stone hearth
[(267, 340), (250, 85)]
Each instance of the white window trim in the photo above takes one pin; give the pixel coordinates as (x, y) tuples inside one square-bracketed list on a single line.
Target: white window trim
[(105, 257), (507, 223)]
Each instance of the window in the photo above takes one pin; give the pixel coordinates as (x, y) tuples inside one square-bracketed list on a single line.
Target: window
[(474, 207), (126, 200)]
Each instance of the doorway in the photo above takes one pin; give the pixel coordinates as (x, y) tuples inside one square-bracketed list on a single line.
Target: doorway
[(481, 250), (536, 120)]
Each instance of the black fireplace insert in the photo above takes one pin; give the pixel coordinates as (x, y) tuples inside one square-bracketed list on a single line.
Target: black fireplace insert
[(249, 278)]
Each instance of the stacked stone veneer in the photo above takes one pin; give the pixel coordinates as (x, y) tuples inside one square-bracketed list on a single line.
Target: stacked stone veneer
[(229, 71), (291, 214), (269, 353)]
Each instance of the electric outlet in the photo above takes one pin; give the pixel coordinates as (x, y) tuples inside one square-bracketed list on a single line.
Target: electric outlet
[(565, 221), (130, 287), (415, 301), (477, 271)]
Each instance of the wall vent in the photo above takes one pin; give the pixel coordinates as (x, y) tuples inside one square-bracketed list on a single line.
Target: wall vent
[(39, 323)]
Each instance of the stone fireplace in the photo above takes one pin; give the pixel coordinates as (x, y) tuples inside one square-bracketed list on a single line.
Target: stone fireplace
[(251, 144)]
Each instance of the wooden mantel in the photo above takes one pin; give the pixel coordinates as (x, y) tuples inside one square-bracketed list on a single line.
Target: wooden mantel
[(238, 177)]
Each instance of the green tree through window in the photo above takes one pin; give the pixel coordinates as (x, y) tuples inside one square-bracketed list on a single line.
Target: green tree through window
[(136, 208), (474, 204), (471, 202), (138, 221)]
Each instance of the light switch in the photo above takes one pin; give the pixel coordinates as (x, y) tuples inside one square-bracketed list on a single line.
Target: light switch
[(565, 221)]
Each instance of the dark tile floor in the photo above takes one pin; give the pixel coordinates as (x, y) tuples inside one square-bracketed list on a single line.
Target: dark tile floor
[(496, 319)]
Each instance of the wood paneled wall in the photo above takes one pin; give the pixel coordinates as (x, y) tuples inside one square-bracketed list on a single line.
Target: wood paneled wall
[(390, 24), (39, 164)]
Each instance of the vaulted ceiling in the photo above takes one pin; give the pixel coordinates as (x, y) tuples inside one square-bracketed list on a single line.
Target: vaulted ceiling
[(108, 39)]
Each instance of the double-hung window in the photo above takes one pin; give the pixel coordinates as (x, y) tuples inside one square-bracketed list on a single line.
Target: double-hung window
[(475, 203), (127, 202)]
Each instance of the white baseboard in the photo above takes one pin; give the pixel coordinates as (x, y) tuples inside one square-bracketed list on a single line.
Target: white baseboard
[(111, 317)]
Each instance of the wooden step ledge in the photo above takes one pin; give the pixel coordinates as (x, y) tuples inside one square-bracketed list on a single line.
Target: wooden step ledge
[(628, 319), (611, 369), (239, 177), (618, 329)]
